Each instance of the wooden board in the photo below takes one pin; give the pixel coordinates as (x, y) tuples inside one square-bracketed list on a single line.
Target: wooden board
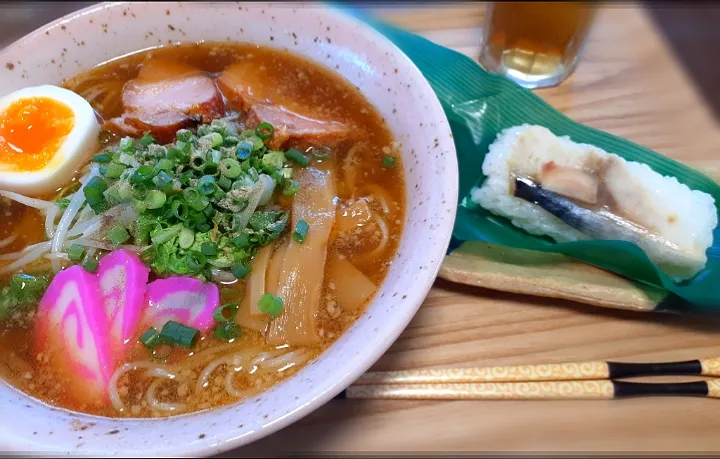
[(628, 83)]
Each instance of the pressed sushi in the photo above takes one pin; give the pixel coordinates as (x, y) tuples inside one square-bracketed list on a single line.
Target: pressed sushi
[(551, 186)]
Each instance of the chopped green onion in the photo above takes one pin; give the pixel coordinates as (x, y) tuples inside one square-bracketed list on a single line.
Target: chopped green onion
[(220, 315), (286, 172), (179, 334), (118, 234), (198, 161), (241, 241), (176, 155), (93, 192), (210, 169), (165, 164), (162, 180), (155, 199), (388, 161), (186, 238), (301, 230), (264, 130), (206, 185), (102, 158), (199, 204), (114, 170), (270, 305), (62, 203), (215, 156), (244, 150), (257, 142), (183, 135), (197, 217), (90, 265), (142, 174), (150, 338), (195, 261), (161, 235), (292, 187), (241, 270), (273, 159), (230, 168), (213, 139), (294, 155), (204, 227), (224, 182), (179, 210), (191, 195), (209, 211), (227, 331), (146, 140), (209, 249), (75, 252), (127, 144)]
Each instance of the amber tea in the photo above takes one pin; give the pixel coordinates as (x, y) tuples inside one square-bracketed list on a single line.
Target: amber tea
[(536, 44)]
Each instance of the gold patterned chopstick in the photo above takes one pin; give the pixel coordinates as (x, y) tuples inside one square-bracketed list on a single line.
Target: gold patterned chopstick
[(586, 390), (576, 371)]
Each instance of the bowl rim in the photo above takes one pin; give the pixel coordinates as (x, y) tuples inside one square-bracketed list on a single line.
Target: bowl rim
[(226, 440)]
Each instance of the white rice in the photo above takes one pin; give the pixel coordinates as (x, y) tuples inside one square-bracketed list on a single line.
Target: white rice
[(685, 218)]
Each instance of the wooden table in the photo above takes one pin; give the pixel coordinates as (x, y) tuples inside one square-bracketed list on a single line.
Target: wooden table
[(628, 83)]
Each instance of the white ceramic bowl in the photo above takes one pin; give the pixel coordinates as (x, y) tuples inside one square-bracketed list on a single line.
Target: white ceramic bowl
[(388, 79)]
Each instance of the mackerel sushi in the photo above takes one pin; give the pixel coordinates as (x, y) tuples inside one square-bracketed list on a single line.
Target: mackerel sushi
[(552, 186)]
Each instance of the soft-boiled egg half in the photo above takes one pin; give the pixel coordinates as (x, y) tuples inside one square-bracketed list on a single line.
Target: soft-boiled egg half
[(46, 134)]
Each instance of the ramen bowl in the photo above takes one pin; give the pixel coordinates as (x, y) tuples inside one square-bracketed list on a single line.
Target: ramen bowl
[(389, 81)]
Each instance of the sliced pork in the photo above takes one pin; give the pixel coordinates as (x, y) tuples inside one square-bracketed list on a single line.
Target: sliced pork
[(167, 96), (248, 86)]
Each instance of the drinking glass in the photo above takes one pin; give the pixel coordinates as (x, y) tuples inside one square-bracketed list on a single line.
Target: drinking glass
[(536, 44)]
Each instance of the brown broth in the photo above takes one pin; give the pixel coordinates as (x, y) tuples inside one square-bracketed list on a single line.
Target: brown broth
[(304, 82)]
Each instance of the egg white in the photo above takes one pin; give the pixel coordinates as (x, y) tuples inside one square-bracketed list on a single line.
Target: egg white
[(72, 153)]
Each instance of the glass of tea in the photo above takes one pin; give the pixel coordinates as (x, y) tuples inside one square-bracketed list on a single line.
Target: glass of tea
[(535, 44)]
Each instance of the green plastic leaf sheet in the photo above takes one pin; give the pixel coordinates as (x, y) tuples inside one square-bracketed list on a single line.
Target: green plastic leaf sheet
[(479, 105)]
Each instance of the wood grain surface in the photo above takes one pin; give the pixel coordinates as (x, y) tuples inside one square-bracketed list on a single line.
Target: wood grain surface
[(629, 84)]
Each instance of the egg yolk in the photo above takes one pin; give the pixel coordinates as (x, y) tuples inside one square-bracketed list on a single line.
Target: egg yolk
[(31, 131)]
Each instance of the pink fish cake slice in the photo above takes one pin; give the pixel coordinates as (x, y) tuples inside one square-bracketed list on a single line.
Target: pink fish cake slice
[(123, 280), (186, 300), (72, 328)]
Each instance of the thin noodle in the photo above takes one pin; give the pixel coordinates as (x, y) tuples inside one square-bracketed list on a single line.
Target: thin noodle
[(7, 241), (378, 194), (214, 365), (382, 245), (72, 209), (25, 260), (50, 217), (20, 253), (27, 201), (161, 406), (349, 168), (112, 385)]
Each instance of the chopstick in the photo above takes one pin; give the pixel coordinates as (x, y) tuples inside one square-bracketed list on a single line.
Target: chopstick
[(587, 390), (573, 371), (575, 380)]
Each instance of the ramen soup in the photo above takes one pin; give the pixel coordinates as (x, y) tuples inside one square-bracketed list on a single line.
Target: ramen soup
[(232, 212)]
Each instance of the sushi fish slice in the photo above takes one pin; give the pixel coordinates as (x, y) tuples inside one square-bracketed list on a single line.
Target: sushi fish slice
[(601, 225), (574, 192)]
